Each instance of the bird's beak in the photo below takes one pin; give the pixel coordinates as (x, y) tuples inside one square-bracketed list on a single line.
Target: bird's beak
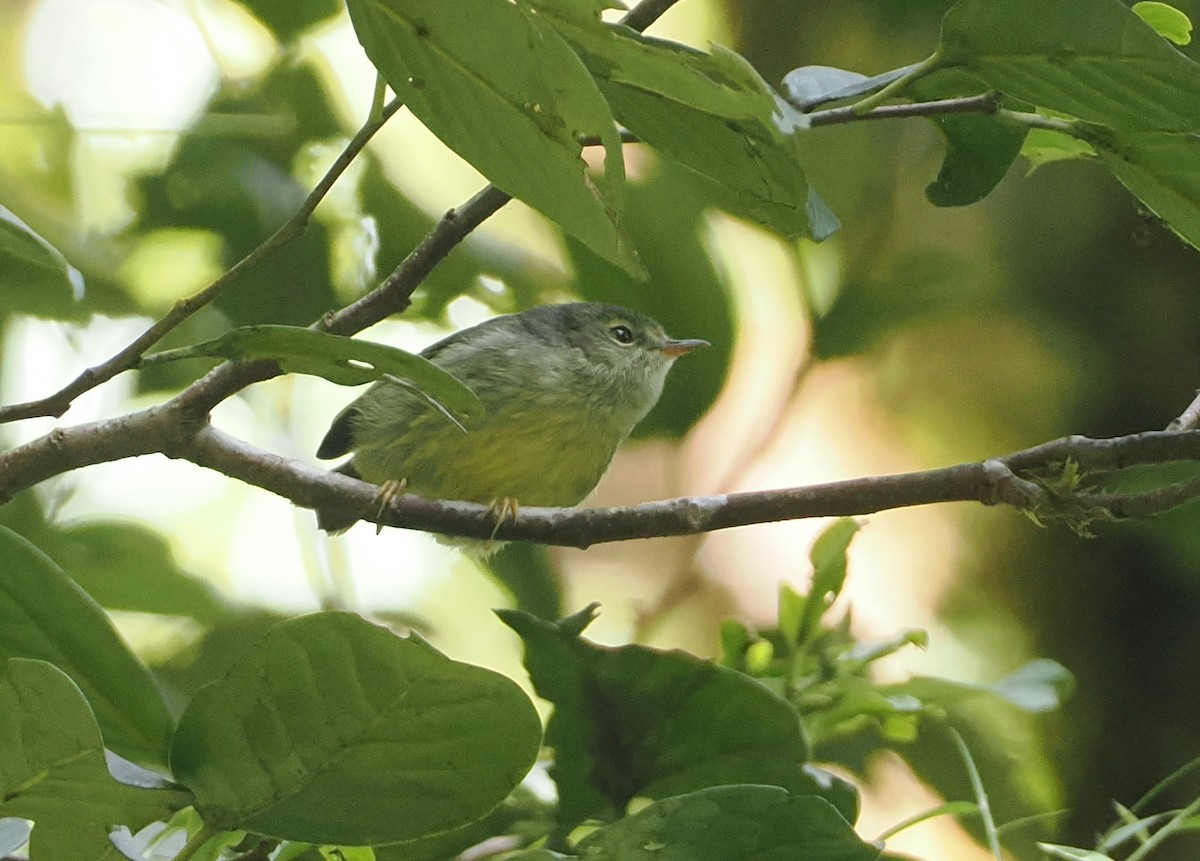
[(675, 349)]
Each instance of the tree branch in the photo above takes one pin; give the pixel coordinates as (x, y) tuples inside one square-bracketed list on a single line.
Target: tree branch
[(58, 403), (1005, 480)]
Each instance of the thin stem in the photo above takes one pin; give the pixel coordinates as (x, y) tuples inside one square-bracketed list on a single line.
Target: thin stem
[(378, 100), (196, 842), (1176, 823), (1038, 121), (897, 86), (981, 797), (58, 403), (985, 103)]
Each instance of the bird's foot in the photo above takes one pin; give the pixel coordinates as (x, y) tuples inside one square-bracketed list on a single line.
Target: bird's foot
[(389, 491), (505, 508)]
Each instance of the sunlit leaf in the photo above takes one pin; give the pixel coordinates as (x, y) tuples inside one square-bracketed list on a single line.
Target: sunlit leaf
[(1167, 21), (501, 88)]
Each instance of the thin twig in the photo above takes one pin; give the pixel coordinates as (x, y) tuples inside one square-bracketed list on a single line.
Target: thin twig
[(59, 402), (1189, 419), (985, 103)]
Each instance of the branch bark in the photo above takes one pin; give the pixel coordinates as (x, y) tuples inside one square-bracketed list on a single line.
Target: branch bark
[(1024, 480)]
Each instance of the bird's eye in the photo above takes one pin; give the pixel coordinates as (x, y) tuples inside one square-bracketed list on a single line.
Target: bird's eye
[(621, 334)]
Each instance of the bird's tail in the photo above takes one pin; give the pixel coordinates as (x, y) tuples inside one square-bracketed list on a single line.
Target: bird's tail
[(336, 521)]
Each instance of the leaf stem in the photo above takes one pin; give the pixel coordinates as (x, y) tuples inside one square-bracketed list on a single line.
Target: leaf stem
[(897, 86), (196, 842), (378, 100), (1177, 822), (981, 798)]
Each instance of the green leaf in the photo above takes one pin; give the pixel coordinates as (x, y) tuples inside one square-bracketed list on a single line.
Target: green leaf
[(711, 112), (46, 615), (55, 771), (1166, 20), (1092, 59), (720, 84), (330, 726), (1039, 686), (1163, 172), (756, 169), (1043, 146), (34, 276), (731, 823), (979, 149), (123, 566), (502, 89), (346, 361), (828, 557), (634, 721)]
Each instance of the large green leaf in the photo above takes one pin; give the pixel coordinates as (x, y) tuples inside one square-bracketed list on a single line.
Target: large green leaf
[(731, 823), (124, 566), (34, 276), (1163, 171), (711, 112), (501, 88), (55, 773), (634, 721), (1092, 59), (346, 361), (334, 730), (756, 168), (46, 615), (979, 149)]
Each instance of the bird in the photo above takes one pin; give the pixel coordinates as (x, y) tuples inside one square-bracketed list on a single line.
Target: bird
[(561, 387)]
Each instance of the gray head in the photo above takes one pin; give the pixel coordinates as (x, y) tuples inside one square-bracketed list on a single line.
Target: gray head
[(623, 351), (606, 356)]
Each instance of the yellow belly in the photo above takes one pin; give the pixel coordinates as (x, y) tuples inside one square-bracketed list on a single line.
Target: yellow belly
[(539, 457)]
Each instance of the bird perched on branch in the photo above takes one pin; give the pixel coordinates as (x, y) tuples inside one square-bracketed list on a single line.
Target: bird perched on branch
[(561, 387)]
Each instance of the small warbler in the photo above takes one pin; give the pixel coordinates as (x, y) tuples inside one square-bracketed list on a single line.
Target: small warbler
[(561, 387)]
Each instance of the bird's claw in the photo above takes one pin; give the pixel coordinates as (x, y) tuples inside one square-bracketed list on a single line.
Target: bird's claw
[(389, 491)]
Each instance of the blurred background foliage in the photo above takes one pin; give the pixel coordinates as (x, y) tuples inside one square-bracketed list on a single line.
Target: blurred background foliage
[(915, 337)]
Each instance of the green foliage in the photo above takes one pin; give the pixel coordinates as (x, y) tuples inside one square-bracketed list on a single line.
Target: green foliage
[(55, 770), (500, 87), (329, 730), (327, 726), (35, 277), (1166, 20), (45, 615), (346, 361), (617, 738), (731, 822)]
